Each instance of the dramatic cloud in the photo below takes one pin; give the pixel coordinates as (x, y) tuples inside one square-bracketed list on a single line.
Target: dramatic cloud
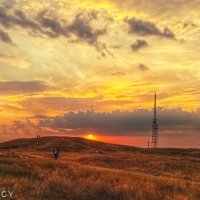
[(48, 24), (123, 123), (145, 28), (19, 87), (8, 20), (5, 37), (84, 31), (139, 44), (19, 18), (5, 19), (54, 26)]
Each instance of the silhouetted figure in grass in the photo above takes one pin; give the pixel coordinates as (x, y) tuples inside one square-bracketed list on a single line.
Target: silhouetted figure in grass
[(55, 153)]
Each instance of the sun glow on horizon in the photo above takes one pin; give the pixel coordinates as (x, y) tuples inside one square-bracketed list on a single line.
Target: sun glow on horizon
[(90, 137)]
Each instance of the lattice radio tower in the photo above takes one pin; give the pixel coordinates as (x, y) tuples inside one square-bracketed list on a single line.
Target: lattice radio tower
[(154, 141)]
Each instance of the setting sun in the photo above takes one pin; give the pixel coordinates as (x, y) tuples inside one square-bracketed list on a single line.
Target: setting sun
[(90, 137)]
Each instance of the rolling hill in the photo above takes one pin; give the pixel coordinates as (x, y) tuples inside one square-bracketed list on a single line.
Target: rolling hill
[(77, 144), (67, 144)]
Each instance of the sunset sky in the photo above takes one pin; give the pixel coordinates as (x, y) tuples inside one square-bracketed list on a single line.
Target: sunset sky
[(92, 66)]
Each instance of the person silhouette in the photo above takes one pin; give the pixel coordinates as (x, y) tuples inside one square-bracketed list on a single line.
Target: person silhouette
[(56, 153)]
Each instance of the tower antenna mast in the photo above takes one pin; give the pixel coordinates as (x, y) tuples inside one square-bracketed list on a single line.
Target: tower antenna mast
[(154, 140)]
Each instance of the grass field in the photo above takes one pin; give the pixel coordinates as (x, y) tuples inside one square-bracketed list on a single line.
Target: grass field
[(118, 173)]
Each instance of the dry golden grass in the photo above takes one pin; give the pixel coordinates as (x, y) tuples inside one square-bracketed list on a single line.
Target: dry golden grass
[(107, 176), (119, 173)]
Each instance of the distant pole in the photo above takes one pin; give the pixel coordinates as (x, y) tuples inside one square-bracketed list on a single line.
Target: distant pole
[(154, 141)]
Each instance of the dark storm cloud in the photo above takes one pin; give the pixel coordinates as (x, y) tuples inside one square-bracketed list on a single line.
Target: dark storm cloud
[(123, 123), (139, 44), (19, 87), (5, 37), (145, 28)]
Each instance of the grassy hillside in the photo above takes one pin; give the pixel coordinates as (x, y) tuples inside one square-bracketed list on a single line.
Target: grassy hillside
[(76, 144), (119, 173), (66, 144)]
